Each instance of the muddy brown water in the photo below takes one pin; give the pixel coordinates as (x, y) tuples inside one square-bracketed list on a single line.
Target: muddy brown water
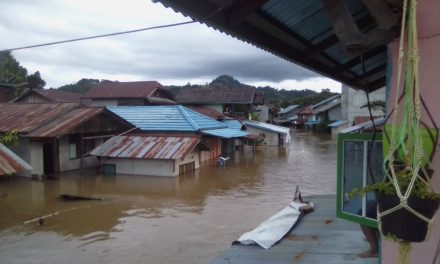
[(187, 219)]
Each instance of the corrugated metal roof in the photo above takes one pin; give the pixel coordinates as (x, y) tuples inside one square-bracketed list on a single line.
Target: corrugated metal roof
[(109, 89), (327, 107), (233, 123), (218, 95), (288, 109), (328, 100), (53, 95), (363, 126), (269, 127), (209, 112), (226, 133), (26, 118), (147, 147), (66, 122), (10, 163), (165, 118), (338, 123)]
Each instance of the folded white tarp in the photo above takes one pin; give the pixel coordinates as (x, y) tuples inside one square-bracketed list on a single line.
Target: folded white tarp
[(275, 228)]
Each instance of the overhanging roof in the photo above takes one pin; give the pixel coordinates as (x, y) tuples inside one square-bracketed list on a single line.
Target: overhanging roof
[(10, 163), (302, 32)]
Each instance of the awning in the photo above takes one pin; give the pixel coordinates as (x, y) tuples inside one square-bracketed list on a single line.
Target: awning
[(225, 133), (338, 123), (367, 125)]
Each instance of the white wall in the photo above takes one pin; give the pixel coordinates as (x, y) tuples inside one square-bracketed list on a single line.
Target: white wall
[(67, 164), (270, 138), (263, 113), (151, 167), (335, 113), (353, 99)]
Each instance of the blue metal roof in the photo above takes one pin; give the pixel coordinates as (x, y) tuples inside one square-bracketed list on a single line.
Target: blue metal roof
[(337, 123), (165, 118), (226, 133), (232, 123)]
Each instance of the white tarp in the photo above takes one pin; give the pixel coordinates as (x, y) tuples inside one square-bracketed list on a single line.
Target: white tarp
[(272, 230)]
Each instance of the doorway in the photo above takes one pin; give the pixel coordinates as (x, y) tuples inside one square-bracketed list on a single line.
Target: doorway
[(48, 161)]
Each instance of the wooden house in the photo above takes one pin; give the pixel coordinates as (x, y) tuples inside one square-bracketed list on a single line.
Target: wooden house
[(236, 102), (269, 134), (56, 137), (109, 93), (169, 140)]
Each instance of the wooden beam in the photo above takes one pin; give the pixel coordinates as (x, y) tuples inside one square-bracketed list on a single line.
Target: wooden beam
[(343, 23), (320, 47), (241, 9), (357, 60), (381, 13), (374, 38)]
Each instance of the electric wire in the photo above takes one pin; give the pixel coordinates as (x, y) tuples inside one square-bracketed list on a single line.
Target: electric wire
[(100, 36)]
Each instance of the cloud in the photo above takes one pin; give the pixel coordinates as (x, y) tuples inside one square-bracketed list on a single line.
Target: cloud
[(182, 54)]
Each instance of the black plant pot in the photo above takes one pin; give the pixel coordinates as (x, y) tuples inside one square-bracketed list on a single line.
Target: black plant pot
[(403, 224)]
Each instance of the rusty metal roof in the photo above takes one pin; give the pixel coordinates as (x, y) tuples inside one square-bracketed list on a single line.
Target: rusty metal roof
[(26, 118), (147, 147), (209, 112), (109, 89), (66, 122), (10, 163), (215, 95), (52, 95)]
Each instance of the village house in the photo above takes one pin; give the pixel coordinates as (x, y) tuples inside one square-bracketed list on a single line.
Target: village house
[(109, 93), (183, 137), (325, 111), (286, 115), (269, 134), (47, 96), (232, 101), (56, 137), (265, 113)]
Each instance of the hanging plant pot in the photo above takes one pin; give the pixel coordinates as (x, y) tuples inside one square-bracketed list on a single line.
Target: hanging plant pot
[(403, 224)]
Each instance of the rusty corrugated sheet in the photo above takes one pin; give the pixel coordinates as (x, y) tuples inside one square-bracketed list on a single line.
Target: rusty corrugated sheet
[(217, 95), (108, 89), (26, 118), (10, 163), (66, 122), (147, 147)]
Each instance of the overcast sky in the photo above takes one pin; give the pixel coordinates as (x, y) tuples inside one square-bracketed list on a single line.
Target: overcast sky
[(191, 53)]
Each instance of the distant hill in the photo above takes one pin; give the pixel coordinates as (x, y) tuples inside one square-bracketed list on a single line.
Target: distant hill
[(273, 96)]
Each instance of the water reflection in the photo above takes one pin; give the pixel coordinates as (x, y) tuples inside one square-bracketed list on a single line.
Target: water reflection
[(186, 219)]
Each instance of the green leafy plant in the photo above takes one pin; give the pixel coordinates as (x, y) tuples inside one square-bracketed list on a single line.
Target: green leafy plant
[(9, 138)]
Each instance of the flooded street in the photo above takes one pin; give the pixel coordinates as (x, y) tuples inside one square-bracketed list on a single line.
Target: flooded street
[(187, 219)]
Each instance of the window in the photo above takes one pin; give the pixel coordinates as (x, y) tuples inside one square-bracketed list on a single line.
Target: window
[(359, 164), (74, 141)]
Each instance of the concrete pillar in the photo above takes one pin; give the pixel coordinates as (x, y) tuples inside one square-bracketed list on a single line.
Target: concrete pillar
[(428, 19)]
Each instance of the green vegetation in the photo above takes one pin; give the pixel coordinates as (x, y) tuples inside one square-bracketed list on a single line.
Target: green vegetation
[(9, 138), (15, 77)]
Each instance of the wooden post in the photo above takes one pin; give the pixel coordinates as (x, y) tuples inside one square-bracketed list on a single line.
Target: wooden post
[(56, 158)]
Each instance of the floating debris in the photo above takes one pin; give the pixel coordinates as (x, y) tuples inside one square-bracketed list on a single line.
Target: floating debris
[(71, 197)]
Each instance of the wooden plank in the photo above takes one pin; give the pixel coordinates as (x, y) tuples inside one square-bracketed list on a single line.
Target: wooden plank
[(381, 13), (343, 23)]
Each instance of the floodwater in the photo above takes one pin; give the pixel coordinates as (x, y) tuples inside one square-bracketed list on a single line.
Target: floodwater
[(187, 219)]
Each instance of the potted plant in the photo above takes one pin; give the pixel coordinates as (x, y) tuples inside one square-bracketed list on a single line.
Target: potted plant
[(406, 199)]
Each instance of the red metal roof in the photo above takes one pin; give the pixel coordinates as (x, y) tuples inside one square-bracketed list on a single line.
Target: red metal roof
[(209, 112), (59, 96), (147, 147), (26, 118), (109, 89), (10, 163), (67, 122)]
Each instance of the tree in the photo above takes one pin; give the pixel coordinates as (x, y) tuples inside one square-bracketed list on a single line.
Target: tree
[(35, 81), (16, 77)]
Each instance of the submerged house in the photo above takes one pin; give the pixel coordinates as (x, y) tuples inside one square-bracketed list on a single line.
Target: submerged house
[(109, 93), (235, 102), (56, 137), (325, 111), (288, 114), (169, 140), (269, 134), (150, 155)]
